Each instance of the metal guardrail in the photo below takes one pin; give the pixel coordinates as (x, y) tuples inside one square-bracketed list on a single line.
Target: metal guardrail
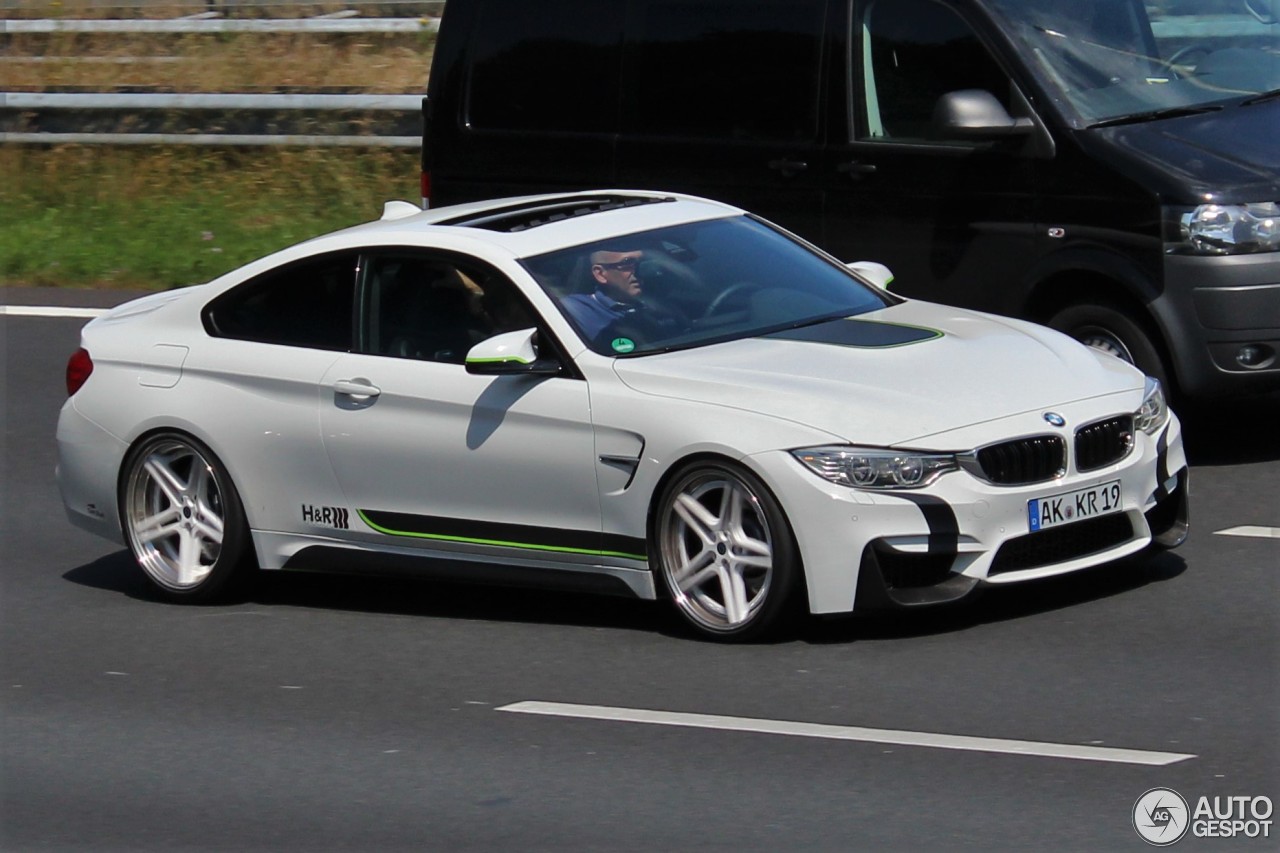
[(224, 25), (28, 101), (212, 139), (148, 101), (16, 128)]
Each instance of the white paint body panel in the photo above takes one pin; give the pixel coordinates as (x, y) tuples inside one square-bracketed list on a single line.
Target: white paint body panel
[(556, 452)]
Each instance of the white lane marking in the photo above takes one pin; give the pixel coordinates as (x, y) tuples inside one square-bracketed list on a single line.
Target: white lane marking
[(50, 311), (1251, 530), (855, 733)]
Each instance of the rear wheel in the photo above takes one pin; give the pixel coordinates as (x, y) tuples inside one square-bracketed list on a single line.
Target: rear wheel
[(725, 552), (182, 518)]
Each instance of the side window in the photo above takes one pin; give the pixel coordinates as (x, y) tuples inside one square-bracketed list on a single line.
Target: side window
[(308, 303), (726, 70), (435, 308), (913, 53), (546, 66)]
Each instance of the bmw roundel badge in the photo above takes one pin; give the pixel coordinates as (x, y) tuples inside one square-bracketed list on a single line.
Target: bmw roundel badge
[(1055, 419)]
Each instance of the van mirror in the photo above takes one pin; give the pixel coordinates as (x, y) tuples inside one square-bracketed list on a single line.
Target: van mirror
[(976, 114), (510, 354), (876, 273), (1266, 11)]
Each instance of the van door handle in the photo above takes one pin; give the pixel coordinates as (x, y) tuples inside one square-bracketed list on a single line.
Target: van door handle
[(361, 388), (855, 170), (788, 168)]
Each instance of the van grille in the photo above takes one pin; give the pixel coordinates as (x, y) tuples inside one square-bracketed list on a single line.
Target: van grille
[(1024, 460), (1103, 443)]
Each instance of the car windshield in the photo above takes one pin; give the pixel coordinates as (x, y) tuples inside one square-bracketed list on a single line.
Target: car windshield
[(1114, 61), (695, 284)]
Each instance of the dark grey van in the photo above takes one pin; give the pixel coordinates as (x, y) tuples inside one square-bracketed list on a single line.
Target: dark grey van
[(1107, 167)]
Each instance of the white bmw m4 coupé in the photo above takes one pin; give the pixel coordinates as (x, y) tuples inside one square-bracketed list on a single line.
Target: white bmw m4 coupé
[(638, 393)]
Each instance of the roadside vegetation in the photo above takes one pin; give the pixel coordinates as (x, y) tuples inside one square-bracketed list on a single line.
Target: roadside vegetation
[(157, 217)]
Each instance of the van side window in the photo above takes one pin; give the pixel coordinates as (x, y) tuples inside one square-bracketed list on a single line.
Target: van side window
[(913, 53), (304, 304), (726, 70), (420, 306), (546, 66)]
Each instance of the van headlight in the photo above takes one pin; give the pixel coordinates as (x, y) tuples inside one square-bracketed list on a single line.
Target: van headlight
[(876, 468), (1224, 229), (1153, 414)]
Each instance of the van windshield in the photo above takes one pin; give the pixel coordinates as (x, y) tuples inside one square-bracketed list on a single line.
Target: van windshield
[(695, 284), (1118, 60)]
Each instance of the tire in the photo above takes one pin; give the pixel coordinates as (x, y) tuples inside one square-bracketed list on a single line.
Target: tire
[(1110, 330), (726, 555), (183, 520)]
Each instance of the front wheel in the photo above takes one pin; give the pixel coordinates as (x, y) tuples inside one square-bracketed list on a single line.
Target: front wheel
[(1106, 328), (725, 552), (182, 518)]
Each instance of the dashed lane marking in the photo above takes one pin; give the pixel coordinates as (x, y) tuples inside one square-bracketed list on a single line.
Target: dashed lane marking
[(854, 733), (1251, 530), (49, 311)]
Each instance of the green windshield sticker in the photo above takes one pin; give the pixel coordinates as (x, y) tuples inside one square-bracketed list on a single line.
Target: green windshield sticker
[(623, 345)]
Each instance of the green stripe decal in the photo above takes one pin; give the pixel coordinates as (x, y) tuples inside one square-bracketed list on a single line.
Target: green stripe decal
[(501, 535)]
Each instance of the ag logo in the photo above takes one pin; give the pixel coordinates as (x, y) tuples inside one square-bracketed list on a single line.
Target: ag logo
[(1161, 816)]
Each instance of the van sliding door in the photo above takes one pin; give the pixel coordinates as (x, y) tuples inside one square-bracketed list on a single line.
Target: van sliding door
[(539, 103), (722, 99)]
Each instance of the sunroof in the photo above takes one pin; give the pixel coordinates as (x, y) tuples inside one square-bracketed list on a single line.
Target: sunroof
[(532, 214)]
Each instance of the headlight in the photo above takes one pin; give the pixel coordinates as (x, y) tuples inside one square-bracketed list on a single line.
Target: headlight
[(1154, 411), (876, 468), (1225, 229)]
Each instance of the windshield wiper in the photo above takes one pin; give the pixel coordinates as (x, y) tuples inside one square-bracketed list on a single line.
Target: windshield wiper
[(1155, 115), (1265, 96)]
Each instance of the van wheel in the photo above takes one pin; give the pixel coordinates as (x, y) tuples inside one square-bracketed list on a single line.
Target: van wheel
[(182, 519), (1105, 328), (725, 553)]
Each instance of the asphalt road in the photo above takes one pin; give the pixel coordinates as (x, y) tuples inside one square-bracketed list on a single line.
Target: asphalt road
[(329, 713)]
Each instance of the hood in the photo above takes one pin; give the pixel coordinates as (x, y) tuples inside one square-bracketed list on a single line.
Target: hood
[(1230, 153), (901, 374)]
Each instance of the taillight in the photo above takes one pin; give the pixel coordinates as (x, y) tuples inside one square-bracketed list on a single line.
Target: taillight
[(426, 189), (79, 366)]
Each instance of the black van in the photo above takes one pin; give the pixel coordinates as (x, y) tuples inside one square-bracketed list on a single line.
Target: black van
[(1107, 167)]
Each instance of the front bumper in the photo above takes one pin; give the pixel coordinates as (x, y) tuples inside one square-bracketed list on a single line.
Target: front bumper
[(867, 550), (1211, 308)]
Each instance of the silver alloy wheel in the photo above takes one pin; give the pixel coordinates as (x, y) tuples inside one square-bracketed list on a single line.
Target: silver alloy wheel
[(717, 551), (1107, 341), (174, 514)]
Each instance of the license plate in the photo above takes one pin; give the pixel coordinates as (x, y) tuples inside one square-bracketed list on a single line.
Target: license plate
[(1054, 511)]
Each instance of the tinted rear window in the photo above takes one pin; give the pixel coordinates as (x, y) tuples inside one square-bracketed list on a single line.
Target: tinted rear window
[(722, 69), (546, 66)]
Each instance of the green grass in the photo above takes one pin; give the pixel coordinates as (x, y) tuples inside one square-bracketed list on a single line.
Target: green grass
[(157, 218)]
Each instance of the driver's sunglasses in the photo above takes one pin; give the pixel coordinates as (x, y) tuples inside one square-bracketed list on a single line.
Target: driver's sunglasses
[(625, 265)]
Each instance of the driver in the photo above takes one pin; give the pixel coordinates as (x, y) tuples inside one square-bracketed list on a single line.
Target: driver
[(616, 294)]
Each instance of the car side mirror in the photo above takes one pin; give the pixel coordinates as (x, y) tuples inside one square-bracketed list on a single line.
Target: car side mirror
[(976, 114), (876, 273), (510, 354)]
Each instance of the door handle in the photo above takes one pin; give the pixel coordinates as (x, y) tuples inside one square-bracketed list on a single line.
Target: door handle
[(856, 170), (356, 388), (788, 168)]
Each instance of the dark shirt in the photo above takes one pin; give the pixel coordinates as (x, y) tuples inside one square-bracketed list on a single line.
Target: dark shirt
[(593, 312)]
